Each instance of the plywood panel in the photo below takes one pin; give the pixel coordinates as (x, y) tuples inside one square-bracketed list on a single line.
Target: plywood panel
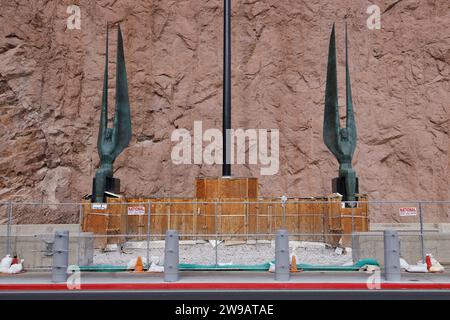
[(226, 188), (232, 218), (109, 222), (137, 224), (315, 219), (97, 223)]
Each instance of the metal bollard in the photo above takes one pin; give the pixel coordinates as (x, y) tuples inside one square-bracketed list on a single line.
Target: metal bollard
[(282, 256), (355, 248), (391, 256), (171, 256), (60, 256)]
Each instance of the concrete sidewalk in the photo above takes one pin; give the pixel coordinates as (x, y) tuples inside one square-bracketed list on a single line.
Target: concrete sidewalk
[(231, 277)]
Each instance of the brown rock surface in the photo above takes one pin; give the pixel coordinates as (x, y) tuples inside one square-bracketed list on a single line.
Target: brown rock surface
[(50, 93)]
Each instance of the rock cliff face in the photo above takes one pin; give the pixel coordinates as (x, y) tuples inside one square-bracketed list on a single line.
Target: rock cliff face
[(51, 80)]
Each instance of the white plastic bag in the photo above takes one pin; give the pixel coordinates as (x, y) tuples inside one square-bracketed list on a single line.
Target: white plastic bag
[(435, 265), (5, 264), (155, 268), (16, 268), (272, 267), (419, 267)]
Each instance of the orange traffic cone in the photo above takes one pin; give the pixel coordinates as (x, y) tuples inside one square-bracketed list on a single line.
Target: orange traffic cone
[(428, 262), (294, 264), (139, 265)]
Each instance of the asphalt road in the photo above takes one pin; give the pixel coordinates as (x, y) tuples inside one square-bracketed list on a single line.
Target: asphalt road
[(230, 295), (226, 286)]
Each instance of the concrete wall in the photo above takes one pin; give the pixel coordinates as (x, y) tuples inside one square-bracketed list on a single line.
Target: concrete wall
[(428, 227), (371, 245), (29, 242)]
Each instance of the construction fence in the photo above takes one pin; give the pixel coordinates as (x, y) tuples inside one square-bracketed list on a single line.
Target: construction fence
[(221, 233)]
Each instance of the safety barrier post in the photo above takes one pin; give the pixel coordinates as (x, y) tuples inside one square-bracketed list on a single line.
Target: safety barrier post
[(60, 256), (171, 256), (282, 255), (391, 256)]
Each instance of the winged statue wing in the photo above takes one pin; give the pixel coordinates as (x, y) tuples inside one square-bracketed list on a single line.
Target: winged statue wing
[(350, 118), (104, 113), (122, 117), (331, 114)]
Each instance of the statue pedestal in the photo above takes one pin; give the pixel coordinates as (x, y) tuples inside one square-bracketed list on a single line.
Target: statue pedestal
[(226, 188), (338, 186), (112, 185)]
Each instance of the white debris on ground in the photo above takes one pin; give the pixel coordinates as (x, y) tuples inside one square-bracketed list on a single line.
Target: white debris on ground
[(11, 265), (203, 252)]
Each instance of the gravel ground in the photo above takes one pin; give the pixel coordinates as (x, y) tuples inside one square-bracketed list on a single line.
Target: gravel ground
[(204, 253)]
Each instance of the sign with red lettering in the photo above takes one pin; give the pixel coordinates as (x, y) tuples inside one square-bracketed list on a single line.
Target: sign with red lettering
[(408, 211), (136, 211)]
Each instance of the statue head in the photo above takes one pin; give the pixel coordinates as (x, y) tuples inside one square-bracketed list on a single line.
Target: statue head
[(108, 134), (344, 134)]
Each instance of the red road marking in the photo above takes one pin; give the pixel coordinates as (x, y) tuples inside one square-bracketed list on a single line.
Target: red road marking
[(223, 286)]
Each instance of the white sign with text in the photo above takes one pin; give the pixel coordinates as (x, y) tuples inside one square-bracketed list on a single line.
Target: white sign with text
[(99, 206), (408, 212), (136, 211)]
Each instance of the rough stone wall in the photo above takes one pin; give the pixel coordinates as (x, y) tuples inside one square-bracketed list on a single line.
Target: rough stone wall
[(51, 80)]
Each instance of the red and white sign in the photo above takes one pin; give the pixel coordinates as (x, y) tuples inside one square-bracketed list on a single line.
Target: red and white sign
[(408, 211), (136, 211)]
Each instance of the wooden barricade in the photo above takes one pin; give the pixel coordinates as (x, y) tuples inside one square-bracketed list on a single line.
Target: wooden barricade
[(107, 221), (225, 207)]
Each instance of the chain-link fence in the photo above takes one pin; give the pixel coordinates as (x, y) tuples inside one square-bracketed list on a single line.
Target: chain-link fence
[(225, 233)]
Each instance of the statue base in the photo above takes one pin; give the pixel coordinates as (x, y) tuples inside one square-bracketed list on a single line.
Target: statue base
[(226, 188), (112, 185), (338, 186)]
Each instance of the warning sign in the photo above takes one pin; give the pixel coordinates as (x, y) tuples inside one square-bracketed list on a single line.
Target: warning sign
[(99, 206), (136, 211), (408, 212)]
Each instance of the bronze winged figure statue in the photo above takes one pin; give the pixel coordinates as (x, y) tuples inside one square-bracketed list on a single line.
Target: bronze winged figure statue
[(112, 141), (340, 141)]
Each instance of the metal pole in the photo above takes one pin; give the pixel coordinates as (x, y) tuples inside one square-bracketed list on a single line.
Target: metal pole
[(353, 218), (257, 224), (148, 234), (171, 256), (391, 255), (324, 229), (422, 243), (226, 167), (355, 248), (168, 215), (269, 210), (194, 209), (80, 231), (8, 229), (215, 231), (246, 219), (282, 256), (353, 223), (60, 256)]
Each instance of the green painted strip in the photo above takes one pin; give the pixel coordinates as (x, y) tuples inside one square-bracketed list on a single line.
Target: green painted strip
[(239, 267)]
